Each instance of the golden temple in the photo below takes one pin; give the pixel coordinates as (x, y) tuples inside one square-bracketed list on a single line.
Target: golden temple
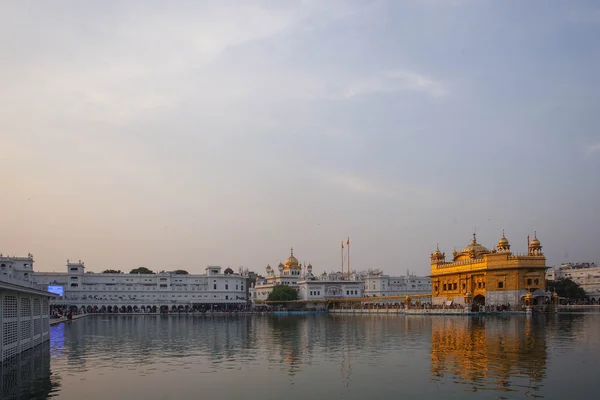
[(493, 277)]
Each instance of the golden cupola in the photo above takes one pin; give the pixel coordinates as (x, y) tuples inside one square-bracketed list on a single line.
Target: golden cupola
[(535, 247), (503, 244), (438, 256), (292, 262)]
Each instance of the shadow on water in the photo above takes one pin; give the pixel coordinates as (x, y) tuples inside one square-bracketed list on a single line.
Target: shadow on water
[(27, 375)]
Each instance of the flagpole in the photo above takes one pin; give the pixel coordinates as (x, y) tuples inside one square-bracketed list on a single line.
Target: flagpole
[(348, 243), (342, 259)]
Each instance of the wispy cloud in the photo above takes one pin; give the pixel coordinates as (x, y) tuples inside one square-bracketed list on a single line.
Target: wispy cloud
[(395, 81), (592, 148), (380, 188)]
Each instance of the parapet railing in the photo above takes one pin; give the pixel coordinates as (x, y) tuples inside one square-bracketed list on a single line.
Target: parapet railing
[(21, 282)]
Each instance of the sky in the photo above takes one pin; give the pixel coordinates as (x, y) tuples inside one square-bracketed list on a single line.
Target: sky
[(176, 136)]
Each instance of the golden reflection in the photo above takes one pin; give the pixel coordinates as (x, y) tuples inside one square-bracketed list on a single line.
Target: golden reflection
[(488, 353)]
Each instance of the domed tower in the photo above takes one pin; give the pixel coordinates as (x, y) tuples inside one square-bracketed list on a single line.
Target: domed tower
[(503, 244), (292, 265), (280, 268), (535, 247), (269, 270), (438, 257)]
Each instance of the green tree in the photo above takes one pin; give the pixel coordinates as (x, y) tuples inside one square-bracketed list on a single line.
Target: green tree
[(283, 293), (565, 287), (181, 272), (141, 270), (111, 271)]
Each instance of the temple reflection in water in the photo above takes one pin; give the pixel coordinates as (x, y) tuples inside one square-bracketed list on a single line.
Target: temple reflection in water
[(491, 353)]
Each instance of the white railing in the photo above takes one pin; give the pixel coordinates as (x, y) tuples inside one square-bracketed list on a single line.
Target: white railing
[(21, 282)]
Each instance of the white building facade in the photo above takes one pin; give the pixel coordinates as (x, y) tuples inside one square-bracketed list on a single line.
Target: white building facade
[(107, 292), (586, 275), (336, 285), (376, 284), (24, 308)]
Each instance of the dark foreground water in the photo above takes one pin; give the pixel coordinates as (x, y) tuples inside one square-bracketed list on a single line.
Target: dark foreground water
[(313, 357)]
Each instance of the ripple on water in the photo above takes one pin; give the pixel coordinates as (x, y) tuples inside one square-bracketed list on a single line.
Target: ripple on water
[(313, 357)]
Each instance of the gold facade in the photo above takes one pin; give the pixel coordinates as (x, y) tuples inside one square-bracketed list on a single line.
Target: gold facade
[(476, 273)]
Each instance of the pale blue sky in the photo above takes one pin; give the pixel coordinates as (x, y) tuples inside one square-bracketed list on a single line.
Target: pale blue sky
[(180, 135)]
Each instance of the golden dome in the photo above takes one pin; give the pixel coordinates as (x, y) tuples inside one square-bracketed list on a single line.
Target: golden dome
[(535, 242), (438, 255), (292, 262), (475, 248), (503, 243)]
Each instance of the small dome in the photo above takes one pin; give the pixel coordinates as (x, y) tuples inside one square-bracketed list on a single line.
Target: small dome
[(503, 243), (535, 242), (438, 255), (309, 267)]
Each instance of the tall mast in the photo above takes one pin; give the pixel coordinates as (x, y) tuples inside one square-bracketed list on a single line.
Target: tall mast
[(342, 259), (348, 243)]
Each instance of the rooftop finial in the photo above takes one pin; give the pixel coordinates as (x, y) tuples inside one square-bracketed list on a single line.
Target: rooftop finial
[(474, 237), (292, 251), (502, 232)]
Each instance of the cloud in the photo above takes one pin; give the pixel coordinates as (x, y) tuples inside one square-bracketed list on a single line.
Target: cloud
[(381, 188), (395, 81), (357, 184), (593, 148)]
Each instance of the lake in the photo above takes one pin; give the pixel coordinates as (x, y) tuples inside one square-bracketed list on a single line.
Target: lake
[(312, 357)]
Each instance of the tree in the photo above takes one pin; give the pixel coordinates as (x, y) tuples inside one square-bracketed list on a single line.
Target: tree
[(181, 272), (565, 287), (283, 293), (141, 270), (111, 271)]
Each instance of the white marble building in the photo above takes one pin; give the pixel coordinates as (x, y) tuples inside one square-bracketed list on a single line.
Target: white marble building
[(309, 286), (587, 275), (336, 285), (376, 283), (24, 306), (143, 292)]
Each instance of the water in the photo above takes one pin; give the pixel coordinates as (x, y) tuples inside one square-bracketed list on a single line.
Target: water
[(313, 357)]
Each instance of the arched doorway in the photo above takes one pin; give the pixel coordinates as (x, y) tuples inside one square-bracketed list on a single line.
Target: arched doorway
[(479, 300)]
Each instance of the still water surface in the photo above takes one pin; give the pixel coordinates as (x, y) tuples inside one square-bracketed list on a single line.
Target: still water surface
[(314, 357)]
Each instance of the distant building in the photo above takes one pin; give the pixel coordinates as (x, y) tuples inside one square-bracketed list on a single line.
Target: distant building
[(144, 292), (335, 285), (496, 277), (309, 286), (376, 283), (586, 275)]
